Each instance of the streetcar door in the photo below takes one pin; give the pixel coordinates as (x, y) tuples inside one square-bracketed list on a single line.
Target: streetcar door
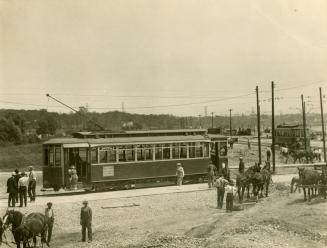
[(78, 158)]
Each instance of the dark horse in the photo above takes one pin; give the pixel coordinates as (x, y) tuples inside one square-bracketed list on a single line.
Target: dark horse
[(26, 228), (308, 179), (243, 182)]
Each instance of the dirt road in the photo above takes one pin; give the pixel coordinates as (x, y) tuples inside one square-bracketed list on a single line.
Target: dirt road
[(190, 219)]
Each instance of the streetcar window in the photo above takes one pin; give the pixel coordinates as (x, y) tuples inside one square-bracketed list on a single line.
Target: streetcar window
[(198, 150), (206, 149), (158, 152), (57, 156), (183, 151), (112, 155), (94, 156), (103, 156), (126, 153), (46, 155), (51, 153), (191, 150), (166, 151), (175, 151), (148, 152)]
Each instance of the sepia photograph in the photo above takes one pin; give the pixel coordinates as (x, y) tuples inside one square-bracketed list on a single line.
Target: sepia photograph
[(163, 123)]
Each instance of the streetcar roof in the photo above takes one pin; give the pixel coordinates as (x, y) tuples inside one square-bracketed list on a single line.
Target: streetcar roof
[(125, 140)]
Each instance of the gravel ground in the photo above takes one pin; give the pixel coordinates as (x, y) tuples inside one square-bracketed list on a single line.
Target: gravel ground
[(191, 220)]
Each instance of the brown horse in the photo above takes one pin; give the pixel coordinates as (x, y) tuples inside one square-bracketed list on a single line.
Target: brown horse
[(295, 182), (308, 179), (26, 228)]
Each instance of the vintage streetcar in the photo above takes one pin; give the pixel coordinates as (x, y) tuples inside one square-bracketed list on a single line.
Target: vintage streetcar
[(131, 159), (292, 136)]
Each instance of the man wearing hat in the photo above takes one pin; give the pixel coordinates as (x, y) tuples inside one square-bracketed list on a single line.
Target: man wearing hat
[(22, 188), (211, 174), (17, 176), (31, 183), (86, 221), (179, 174), (231, 191), (49, 216), (241, 166), (221, 182), (12, 190)]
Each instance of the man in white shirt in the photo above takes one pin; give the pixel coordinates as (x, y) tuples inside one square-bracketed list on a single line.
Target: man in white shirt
[(22, 189), (231, 191), (31, 184), (179, 174)]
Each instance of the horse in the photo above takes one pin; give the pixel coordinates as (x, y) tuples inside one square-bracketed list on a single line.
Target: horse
[(25, 228), (300, 154), (13, 218), (310, 179), (295, 182), (243, 182), (263, 179), (2, 230), (34, 224)]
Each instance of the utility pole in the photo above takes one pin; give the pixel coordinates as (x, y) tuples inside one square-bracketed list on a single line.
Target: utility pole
[(211, 119), (230, 124), (273, 125), (258, 124), (304, 124), (323, 132)]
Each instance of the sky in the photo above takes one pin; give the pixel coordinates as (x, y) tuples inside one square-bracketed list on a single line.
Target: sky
[(184, 57)]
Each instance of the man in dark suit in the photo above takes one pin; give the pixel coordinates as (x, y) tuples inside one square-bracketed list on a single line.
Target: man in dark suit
[(12, 190), (86, 221)]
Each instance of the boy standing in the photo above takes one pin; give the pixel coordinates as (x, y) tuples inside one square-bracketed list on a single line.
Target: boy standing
[(231, 191)]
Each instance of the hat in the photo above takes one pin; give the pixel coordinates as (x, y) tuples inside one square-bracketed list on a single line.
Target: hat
[(241, 157), (16, 171), (179, 164), (85, 202), (49, 203), (30, 168)]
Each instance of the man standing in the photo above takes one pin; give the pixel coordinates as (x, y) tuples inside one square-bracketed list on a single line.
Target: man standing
[(22, 188), (211, 174), (241, 166), (31, 184), (17, 176), (179, 174), (231, 191), (12, 190), (86, 221), (221, 182), (268, 153), (49, 215)]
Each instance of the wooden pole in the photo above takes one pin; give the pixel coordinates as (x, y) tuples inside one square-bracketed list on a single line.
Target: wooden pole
[(273, 125), (258, 124), (304, 124), (230, 124), (323, 131)]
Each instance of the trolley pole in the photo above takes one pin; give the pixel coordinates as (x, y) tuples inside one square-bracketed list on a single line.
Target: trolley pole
[(258, 124), (323, 132), (230, 124), (304, 124), (211, 119), (273, 125)]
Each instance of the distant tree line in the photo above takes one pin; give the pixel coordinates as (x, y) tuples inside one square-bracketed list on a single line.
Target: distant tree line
[(29, 126)]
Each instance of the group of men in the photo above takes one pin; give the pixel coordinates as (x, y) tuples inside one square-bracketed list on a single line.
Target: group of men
[(19, 184)]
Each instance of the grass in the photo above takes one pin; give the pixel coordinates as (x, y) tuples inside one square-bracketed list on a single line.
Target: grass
[(22, 156)]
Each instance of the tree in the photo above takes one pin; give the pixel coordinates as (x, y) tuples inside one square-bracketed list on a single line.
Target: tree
[(47, 125)]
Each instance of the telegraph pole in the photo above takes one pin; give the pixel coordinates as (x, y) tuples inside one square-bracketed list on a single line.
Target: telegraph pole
[(211, 119), (304, 123), (258, 124), (273, 125), (323, 131), (230, 124)]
